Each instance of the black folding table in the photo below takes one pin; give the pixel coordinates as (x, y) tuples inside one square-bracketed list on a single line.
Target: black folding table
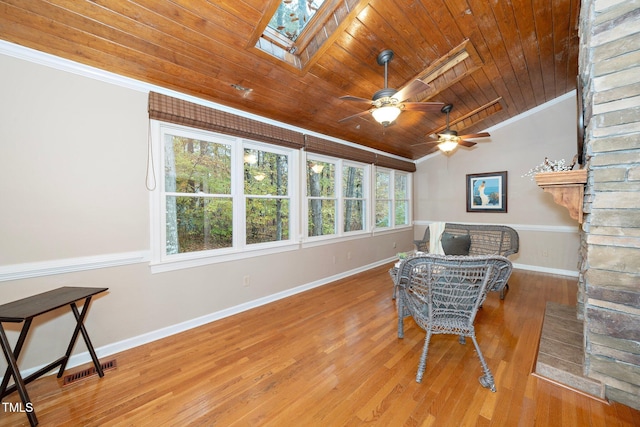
[(24, 310)]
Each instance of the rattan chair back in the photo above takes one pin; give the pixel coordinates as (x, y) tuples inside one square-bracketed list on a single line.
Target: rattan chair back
[(444, 293)]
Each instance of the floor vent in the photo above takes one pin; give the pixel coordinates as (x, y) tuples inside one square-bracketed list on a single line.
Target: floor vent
[(73, 378)]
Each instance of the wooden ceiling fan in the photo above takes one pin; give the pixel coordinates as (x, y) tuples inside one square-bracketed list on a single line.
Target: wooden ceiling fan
[(388, 103), (448, 139)]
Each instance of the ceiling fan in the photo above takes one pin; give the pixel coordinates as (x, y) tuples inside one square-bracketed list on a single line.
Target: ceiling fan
[(388, 103), (449, 139)]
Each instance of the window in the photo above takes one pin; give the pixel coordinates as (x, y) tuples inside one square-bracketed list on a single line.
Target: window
[(266, 189), (221, 194), (321, 196), (298, 29), (199, 205), (222, 197), (292, 16), (383, 198), (337, 196), (393, 200), (354, 205), (401, 198)]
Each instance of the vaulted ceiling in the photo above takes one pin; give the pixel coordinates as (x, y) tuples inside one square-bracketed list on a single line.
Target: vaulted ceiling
[(491, 59)]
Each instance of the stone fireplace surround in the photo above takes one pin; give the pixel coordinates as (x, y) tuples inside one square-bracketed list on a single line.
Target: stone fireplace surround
[(609, 266)]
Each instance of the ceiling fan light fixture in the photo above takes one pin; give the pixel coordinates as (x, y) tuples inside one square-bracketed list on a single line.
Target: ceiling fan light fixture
[(385, 115), (447, 146), (448, 139)]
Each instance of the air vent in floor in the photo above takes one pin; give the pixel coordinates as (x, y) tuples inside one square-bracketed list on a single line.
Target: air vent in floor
[(73, 378)]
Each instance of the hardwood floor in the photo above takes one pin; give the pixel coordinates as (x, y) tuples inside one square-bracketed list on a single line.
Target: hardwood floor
[(331, 357)]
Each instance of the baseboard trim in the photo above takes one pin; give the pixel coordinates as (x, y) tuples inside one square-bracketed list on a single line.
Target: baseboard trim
[(536, 268), (129, 343)]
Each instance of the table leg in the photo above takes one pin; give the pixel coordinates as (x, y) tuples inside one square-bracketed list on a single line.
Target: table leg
[(13, 370), (80, 328), (16, 354)]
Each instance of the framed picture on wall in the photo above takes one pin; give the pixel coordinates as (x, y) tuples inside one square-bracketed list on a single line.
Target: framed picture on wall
[(487, 192)]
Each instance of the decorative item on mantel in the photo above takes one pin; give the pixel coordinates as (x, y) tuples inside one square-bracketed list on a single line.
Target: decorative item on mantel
[(550, 166), (563, 183)]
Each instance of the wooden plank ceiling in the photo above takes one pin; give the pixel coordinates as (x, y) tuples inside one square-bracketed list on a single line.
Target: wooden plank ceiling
[(491, 59)]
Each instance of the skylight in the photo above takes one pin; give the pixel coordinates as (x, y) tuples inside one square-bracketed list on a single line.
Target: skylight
[(298, 29), (292, 16)]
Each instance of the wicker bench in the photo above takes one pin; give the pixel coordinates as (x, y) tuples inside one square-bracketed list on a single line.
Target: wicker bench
[(486, 239)]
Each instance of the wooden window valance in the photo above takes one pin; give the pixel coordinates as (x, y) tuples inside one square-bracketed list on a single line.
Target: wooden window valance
[(393, 163), (178, 111), (314, 144)]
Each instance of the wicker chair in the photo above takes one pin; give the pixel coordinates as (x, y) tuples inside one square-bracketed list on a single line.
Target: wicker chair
[(486, 239), (422, 245), (443, 294)]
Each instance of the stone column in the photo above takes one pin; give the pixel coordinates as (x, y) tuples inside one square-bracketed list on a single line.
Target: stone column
[(609, 285)]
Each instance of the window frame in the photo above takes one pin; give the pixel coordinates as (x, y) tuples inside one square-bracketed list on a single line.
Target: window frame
[(291, 194), (327, 160), (297, 195), (310, 30), (391, 200), (160, 260), (339, 198), (366, 197), (408, 198)]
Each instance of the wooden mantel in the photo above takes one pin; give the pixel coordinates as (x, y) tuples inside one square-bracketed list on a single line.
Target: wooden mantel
[(567, 188)]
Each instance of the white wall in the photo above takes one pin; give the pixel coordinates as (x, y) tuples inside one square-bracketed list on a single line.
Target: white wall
[(549, 237), (73, 153)]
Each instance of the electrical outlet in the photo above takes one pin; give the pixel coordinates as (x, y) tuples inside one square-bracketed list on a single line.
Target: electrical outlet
[(395, 245), (545, 253), (246, 281), (349, 255)]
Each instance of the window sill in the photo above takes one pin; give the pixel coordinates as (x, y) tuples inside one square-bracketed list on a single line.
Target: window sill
[(327, 240), (199, 261), (203, 260), (380, 231)]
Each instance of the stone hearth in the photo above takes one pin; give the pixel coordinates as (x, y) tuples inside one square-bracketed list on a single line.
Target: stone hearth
[(561, 351)]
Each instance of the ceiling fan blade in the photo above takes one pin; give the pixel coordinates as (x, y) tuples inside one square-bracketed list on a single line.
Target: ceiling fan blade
[(433, 143), (355, 98), (423, 106), (354, 116), (465, 143), (413, 88), (475, 135)]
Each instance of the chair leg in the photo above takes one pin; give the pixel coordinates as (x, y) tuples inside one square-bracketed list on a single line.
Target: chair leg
[(400, 318), (504, 291), (423, 358), (486, 380)]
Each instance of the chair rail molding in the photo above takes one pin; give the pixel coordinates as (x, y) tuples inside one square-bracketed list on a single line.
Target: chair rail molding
[(70, 265), (519, 227)]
